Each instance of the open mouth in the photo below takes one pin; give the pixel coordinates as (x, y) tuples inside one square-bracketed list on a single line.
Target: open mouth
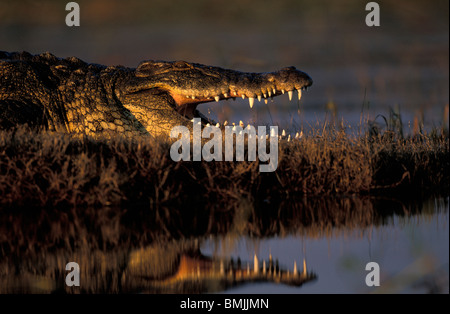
[(186, 105)]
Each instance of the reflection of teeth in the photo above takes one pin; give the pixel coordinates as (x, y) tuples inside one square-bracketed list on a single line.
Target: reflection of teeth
[(217, 98), (225, 123), (251, 100), (272, 134), (265, 101), (218, 125), (241, 124), (255, 264), (290, 93), (222, 268), (264, 267), (304, 267), (207, 125), (295, 269)]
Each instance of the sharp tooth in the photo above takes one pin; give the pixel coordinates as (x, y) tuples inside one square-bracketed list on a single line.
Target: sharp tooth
[(192, 120), (282, 91), (299, 94), (283, 133), (193, 97), (265, 95), (234, 128), (187, 96), (225, 95), (290, 93), (272, 134), (235, 93), (251, 100), (207, 124), (218, 125), (255, 264), (297, 135), (259, 97), (304, 267), (289, 137), (295, 268), (274, 91), (241, 124), (248, 127), (243, 96), (225, 123), (217, 98), (270, 94)]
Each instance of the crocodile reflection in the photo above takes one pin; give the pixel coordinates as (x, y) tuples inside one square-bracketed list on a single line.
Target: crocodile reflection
[(169, 269), (159, 250)]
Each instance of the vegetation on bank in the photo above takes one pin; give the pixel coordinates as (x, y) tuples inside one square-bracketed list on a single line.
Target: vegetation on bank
[(42, 170)]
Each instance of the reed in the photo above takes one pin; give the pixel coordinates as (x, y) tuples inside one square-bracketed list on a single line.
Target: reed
[(61, 170)]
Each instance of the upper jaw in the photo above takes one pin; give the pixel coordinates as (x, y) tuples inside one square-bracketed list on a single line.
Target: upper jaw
[(249, 86)]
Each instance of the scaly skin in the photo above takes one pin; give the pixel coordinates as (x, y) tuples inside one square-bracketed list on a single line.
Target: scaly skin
[(69, 95)]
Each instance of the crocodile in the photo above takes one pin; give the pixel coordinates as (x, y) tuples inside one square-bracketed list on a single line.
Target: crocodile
[(71, 96), (180, 269)]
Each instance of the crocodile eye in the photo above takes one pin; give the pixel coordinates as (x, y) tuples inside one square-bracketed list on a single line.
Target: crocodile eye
[(150, 67), (181, 64)]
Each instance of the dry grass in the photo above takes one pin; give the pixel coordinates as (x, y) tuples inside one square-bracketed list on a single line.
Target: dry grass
[(55, 170)]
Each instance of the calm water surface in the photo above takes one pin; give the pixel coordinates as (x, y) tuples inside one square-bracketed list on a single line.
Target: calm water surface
[(412, 253), (212, 252)]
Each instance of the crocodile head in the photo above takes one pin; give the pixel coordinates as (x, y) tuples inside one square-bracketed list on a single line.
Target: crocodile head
[(166, 94), (171, 269)]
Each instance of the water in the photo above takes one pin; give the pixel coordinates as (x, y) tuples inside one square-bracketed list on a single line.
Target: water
[(333, 239), (412, 253)]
